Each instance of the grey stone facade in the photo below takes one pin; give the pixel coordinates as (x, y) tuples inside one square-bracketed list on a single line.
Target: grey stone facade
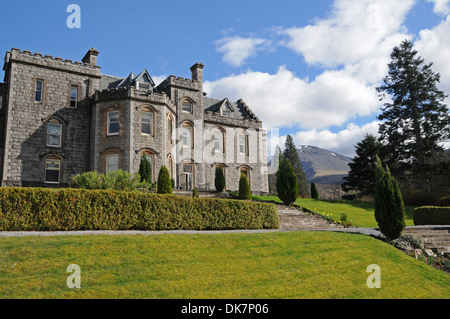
[(60, 118)]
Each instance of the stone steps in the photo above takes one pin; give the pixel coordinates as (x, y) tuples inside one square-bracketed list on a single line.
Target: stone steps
[(294, 219), (436, 238)]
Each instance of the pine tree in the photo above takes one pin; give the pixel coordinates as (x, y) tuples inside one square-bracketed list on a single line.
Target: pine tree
[(314, 191), (287, 184), (145, 169), (389, 207), (290, 154), (219, 180), (164, 182), (245, 191), (415, 120), (361, 177)]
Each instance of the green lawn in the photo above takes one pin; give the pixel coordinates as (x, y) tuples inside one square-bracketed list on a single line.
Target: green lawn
[(360, 214), (267, 265)]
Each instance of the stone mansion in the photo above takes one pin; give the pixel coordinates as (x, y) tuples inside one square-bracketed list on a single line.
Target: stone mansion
[(60, 118)]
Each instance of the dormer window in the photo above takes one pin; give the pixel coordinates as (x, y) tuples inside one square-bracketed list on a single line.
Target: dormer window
[(143, 86), (225, 112)]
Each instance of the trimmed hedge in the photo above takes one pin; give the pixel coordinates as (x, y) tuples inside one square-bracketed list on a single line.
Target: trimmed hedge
[(429, 215), (40, 209)]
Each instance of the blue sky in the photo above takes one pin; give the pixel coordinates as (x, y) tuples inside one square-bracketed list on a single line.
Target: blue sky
[(309, 68)]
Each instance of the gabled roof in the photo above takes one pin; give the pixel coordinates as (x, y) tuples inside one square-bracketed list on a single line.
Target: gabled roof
[(240, 110), (217, 106), (113, 82), (144, 76), (128, 81)]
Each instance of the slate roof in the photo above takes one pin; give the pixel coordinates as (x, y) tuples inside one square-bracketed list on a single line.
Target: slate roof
[(239, 110), (112, 82)]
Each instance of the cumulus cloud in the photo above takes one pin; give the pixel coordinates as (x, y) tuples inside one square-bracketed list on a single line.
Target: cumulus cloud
[(357, 30), (341, 142), (236, 50), (434, 46), (284, 100), (441, 6)]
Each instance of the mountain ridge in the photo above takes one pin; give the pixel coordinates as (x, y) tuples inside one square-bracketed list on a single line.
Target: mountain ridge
[(323, 166)]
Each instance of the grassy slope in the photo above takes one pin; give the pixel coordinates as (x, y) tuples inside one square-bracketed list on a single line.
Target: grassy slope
[(271, 265), (361, 214)]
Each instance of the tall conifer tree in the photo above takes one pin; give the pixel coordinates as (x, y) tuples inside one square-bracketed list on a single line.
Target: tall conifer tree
[(290, 154)]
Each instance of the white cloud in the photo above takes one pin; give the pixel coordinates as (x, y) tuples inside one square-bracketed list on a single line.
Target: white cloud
[(434, 46), (357, 30), (441, 6), (284, 100), (341, 142), (237, 50)]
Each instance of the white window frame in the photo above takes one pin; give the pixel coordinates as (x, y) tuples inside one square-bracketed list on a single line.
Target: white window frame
[(41, 91), (243, 137), (59, 170), (227, 110), (187, 138), (218, 141), (72, 98), (109, 123), (108, 164), (191, 106), (150, 122), (60, 134)]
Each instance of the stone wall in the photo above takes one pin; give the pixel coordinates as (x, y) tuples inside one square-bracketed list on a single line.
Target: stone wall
[(26, 137)]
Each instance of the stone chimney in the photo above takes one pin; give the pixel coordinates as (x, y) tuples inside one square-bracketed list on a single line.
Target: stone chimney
[(197, 72), (91, 57)]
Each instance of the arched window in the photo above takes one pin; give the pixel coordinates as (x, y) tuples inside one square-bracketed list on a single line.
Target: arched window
[(147, 121), (52, 170), (54, 133), (170, 125), (187, 106), (113, 122), (170, 165), (112, 161), (243, 144), (187, 135), (218, 139)]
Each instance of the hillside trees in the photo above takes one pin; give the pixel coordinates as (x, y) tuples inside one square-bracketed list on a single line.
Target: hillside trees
[(290, 154), (361, 177)]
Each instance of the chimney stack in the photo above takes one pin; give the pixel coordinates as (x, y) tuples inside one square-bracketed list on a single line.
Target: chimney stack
[(91, 57), (197, 72)]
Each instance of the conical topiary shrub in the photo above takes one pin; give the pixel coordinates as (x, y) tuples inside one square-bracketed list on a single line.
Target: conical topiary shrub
[(219, 180), (389, 206), (287, 184), (164, 182), (244, 188)]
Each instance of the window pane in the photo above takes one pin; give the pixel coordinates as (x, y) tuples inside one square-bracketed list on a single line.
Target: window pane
[(52, 168), (113, 123), (187, 136), (147, 122), (54, 134), (54, 128), (112, 163), (53, 140), (74, 93), (187, 107), (73, 96), (38, 95)]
